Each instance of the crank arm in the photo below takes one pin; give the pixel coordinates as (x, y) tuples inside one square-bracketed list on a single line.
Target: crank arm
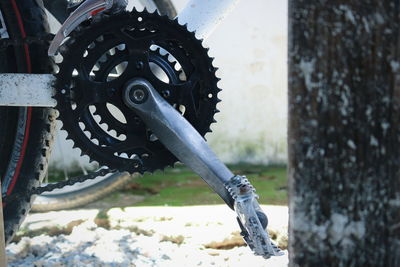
[(182, 140), (178, 135), (85, 11)]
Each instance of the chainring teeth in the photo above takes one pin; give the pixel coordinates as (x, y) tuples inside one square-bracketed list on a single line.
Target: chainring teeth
[(185, 50)]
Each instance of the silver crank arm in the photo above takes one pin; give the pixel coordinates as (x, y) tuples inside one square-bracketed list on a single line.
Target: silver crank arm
[(179, 136), (85, 11)]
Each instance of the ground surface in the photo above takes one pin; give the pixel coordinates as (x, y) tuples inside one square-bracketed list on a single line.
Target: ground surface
[(167, 227), (141, 236)]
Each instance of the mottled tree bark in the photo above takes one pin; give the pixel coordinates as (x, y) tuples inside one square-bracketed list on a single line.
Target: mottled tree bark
[(344, 132)]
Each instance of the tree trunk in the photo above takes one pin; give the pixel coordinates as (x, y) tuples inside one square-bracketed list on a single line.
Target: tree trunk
[(344, 132)]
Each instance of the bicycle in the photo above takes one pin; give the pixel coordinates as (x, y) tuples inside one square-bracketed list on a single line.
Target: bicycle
[(108, 51)]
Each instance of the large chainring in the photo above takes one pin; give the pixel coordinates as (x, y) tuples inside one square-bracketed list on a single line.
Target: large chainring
[(102, 56)]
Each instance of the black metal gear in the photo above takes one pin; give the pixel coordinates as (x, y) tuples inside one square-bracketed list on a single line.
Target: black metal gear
[(102, 56), (156, 57)]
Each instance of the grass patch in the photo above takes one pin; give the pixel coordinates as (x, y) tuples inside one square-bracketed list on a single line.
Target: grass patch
[(181, 187)]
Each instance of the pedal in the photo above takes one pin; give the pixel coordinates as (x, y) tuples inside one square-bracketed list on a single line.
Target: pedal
[(252, 220)]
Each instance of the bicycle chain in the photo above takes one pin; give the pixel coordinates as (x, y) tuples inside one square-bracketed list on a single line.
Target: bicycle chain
[(58, 185), (6, 43)]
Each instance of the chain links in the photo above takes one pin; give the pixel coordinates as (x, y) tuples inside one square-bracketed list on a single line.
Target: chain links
[(52, 186), (5, 43)]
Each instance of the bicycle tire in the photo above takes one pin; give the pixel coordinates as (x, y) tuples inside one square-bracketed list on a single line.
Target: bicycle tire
[(26, 133), (66, 198)]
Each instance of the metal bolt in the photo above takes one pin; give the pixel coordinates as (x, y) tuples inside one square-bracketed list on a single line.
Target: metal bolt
[(138, 95), (136, 91), (166, 93), (139, 65)]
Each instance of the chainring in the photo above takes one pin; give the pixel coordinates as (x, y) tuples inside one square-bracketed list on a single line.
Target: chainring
[(105, 67), (102, 56)]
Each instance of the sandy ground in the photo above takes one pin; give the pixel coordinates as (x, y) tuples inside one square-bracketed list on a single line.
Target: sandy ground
[(167, 235)]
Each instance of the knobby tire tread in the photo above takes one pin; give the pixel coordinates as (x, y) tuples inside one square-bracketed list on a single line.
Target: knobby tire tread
[(27, 18)]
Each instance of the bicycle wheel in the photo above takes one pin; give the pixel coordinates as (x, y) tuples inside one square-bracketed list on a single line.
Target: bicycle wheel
[(91, 190), (26, 134)]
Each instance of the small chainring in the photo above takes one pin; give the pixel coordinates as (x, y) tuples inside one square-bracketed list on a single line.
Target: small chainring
[(102, 56)]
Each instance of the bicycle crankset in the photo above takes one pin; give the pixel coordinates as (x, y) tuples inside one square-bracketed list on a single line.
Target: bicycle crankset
[(101, 57), (136, 92)]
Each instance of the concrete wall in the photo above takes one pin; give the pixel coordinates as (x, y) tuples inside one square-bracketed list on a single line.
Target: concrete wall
[(250, 49)]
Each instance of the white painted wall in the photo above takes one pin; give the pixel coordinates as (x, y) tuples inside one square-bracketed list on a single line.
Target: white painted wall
[(250, 48)]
